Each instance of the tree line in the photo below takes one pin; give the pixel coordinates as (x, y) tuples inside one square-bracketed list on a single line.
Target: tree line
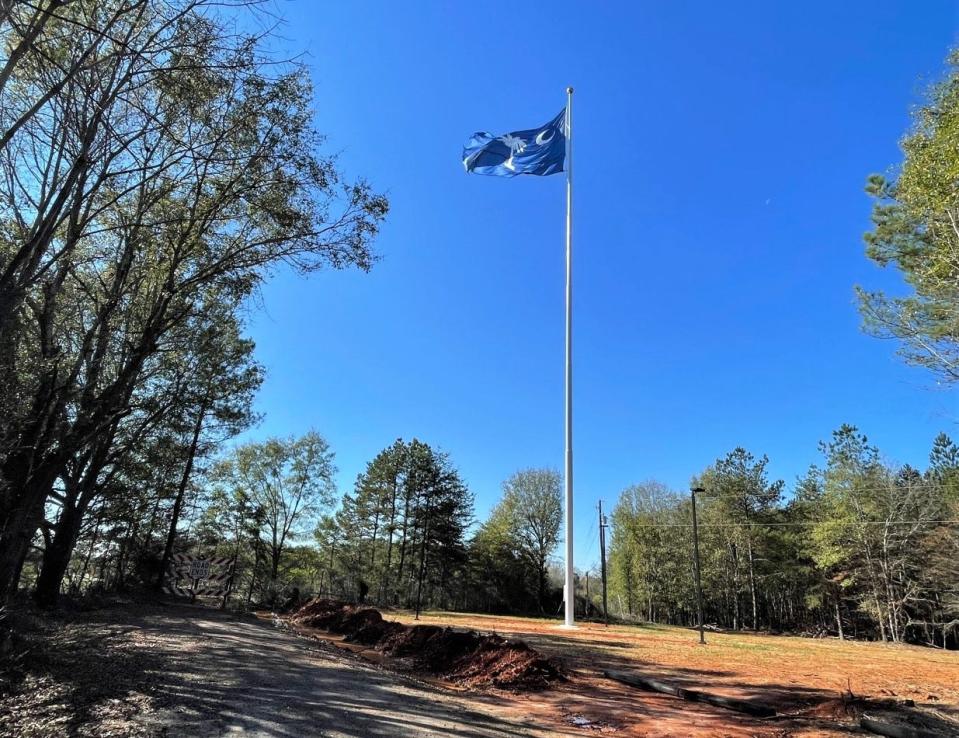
[(407, 536), (157, 165), (861, 549)]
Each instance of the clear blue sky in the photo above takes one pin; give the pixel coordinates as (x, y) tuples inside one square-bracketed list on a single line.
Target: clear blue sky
[(721, 150)]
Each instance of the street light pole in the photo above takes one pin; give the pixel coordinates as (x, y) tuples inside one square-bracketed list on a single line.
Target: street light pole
[(699, 583)]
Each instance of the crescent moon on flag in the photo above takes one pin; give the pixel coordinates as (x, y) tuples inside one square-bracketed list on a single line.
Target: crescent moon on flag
[(542, 137)]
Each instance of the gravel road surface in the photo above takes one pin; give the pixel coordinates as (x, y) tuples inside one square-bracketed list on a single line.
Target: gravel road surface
[(239, 677)]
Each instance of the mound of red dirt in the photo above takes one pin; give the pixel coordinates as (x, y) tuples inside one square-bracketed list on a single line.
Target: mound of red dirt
[(339, 617), (374, 631), (446, 651), (465, 657), (501, 663), (434, 649), (410, 640), (356, 619), (320, 613)]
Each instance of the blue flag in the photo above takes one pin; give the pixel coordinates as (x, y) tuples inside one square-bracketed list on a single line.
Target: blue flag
[(537, 151)]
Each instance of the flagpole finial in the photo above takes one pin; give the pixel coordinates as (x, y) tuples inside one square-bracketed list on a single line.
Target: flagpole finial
[(569, 90)]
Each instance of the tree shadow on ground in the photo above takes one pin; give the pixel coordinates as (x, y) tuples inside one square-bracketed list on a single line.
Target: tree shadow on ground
[(201, 672), (799, 706), (248, 677)]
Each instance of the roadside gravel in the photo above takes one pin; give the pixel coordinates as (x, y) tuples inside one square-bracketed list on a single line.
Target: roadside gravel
[(192, 671)]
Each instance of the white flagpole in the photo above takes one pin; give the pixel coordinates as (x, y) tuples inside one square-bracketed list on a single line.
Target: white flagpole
[(569, 589)]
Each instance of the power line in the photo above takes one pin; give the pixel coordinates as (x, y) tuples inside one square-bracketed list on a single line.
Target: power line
[(671, 495), (592, 536), (794, 524)]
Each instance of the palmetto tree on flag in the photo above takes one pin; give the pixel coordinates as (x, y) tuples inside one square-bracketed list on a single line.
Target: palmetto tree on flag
[(516, 146)]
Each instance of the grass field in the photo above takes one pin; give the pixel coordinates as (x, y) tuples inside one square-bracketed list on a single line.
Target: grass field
[(807, 680)]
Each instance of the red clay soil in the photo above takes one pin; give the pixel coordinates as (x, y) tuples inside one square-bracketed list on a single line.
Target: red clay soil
[(809, 681), (503, 664), (466, 658)]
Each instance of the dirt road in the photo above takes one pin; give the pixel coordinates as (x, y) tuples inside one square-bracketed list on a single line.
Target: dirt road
[(243, 677), (181, 671), (133, 670)]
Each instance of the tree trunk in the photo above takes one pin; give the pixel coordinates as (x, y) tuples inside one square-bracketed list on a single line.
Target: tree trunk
[(86, 559), (376, 529), (403, 542), (423, 546), (541, 583), (332, 551), (129, 539), (56, 557), (256, 565), (892, 622), (20, 526), (419, 584), (735, 560), (181, 493), (838, 619), (880, 617), (275, 553), (391, 528), (752, 582)]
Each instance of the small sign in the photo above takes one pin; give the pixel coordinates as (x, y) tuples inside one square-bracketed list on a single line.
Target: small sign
[(191, 576), (199, 569)]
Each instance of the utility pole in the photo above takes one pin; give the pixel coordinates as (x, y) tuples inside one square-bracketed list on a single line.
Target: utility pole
[(589, 604), (699, 583), (602, 558)]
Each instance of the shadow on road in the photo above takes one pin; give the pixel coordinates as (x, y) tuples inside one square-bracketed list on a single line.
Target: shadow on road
[(218, 675)]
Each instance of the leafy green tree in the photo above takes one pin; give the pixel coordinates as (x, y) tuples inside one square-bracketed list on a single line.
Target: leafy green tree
[(650, 562), (862, 549), (512, 548), (329, 538), (177, 165), (200, 395), (847, 513), (217, 398), (401, 532), (532, 501), (916, 230), (742, 497), (498, 574), (939, 548), (442, 514), (290, 480), (375, 507)]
